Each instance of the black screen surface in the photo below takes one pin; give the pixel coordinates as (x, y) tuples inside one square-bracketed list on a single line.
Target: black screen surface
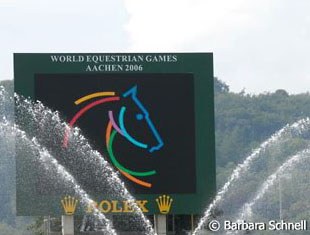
[(159, 113)]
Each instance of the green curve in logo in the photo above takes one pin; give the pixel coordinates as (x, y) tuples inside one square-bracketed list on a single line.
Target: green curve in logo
[(118, 165)]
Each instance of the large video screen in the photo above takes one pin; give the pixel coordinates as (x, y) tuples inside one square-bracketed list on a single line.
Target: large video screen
[(142, 124)]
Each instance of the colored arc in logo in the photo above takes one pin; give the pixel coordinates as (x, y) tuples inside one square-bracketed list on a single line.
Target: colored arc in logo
[(82, 112), (94, 95), (124, 131), (126, 172)]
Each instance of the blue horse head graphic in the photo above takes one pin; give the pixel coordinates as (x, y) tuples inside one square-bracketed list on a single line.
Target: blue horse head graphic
[(144, 115)]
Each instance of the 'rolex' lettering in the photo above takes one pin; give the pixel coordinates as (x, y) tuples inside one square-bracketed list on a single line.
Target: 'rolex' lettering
[(114, 206)]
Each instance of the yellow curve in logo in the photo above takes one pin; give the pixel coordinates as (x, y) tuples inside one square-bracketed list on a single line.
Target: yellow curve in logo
[(94, 95)]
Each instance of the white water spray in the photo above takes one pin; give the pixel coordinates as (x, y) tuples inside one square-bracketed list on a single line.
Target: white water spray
[(294, 129), (247, 211)]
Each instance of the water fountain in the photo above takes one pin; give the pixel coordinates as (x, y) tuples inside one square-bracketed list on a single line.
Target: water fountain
[(40, 122), (284, 171), (246, 213), (294, 130), (50, 165)]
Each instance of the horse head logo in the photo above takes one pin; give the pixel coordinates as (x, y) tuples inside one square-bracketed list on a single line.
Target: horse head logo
[(118, 126), (143, 115)]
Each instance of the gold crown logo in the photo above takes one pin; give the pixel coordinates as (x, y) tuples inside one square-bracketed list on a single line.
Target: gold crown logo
[(164, 203), (69, 204)]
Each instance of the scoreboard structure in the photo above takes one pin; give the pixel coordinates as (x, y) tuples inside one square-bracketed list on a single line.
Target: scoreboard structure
[(150, 115)]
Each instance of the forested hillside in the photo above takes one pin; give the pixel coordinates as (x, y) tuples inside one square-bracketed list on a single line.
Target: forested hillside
[(242, 122)]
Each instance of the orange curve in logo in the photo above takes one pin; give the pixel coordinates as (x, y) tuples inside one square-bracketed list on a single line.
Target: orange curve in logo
[(137, 181), (94, 95), (128, 176), (108, 133)]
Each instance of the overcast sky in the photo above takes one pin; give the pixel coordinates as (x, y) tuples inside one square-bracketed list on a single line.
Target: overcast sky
[(258, 45)]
